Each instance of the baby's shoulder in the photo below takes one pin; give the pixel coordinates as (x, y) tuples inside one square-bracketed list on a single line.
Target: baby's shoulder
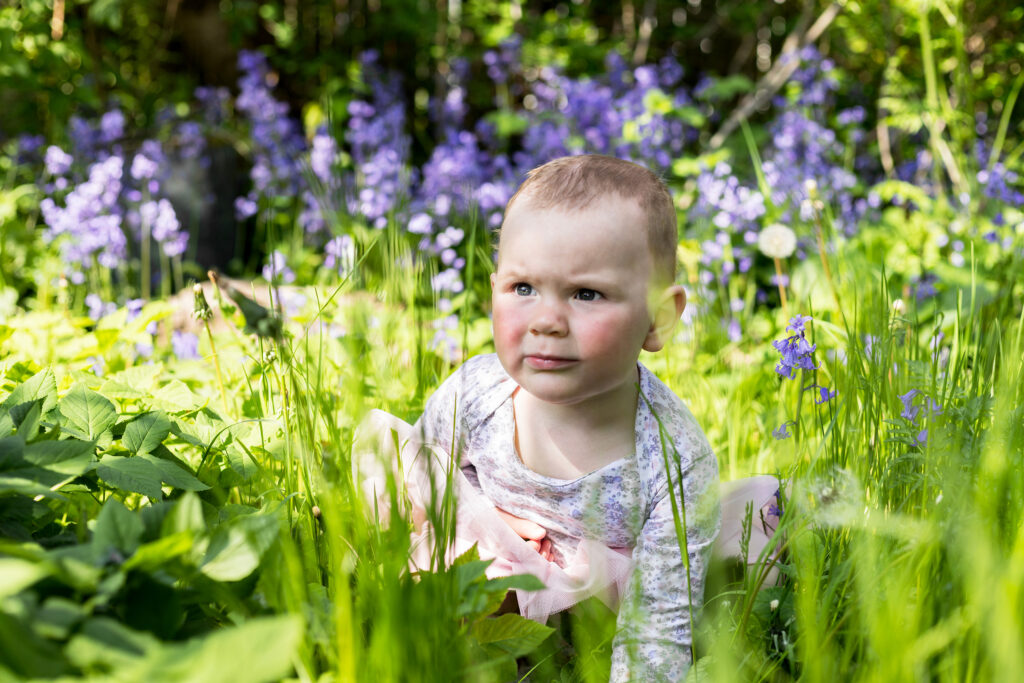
[(666, 422), (478, 386)]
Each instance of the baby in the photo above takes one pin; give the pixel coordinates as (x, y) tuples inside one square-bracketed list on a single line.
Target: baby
[(586, 455)]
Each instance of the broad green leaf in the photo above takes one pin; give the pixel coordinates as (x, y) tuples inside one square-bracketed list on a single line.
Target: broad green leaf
[(526, 582), (173, 475), (41, 385), (187, 515), (152, 555), (174, 397), (57, 617), (6, 424), (268, 644), (238, 546), (509, 634), (12, 449), (116, 527), (27, 416), (67, 456), (103, 643), (146, 432), (134, 382), (25, 482), (88, 411), (131, 474), (17, 574)]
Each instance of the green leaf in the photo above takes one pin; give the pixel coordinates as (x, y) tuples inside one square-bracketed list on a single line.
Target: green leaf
[(174, 397), (57, 617), (116, 528), (526, 582), (134, 382), (41, 385), (237, 547), (87, 411), (146, 432), (17, 574), (27, 416), (185, 516), (105, 644), (509, 634), (173, 475), (67, 456), (269, 645), (131, 474), (12, 449), (151, 556)]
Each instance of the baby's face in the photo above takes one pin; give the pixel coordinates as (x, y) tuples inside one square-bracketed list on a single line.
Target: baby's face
[(570, 300)]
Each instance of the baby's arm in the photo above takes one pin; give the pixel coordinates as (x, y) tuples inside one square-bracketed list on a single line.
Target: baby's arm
[(655, 628)]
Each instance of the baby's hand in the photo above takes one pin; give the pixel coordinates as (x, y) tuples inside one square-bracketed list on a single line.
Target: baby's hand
[(534, 534)]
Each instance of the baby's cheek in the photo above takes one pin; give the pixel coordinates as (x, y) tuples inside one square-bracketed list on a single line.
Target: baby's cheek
[(507, 326)]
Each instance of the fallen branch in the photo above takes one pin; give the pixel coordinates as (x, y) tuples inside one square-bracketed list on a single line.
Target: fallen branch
[(783, 67)]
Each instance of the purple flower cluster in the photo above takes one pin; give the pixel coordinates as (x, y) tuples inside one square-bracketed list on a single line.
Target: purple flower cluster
[(379, 145), (912, 413), (277, 142), (796, 352), (88, 226)]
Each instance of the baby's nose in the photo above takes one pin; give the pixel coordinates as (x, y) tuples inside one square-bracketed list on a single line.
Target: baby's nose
[(549, 318)]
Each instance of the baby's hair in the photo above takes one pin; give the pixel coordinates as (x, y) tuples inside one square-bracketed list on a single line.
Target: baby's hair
[(571, 183)]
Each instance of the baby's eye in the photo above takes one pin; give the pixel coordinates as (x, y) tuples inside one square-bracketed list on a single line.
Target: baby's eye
[(522, 289), (588, 295)]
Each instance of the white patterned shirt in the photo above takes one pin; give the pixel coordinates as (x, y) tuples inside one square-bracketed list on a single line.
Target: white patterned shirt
[(624, 504)]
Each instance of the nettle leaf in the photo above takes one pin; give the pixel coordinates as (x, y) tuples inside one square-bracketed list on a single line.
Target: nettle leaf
[(153, 555), (131, 474), (17, 574), (237, 547), (186, 516), (509, 634), (67, 456), (135, 382), (26, 417), (116, 528), (269, 644), (41, 385), (12, 449), (87, 411), (174, 397), (105, 644), (174, 475), (146, 432)]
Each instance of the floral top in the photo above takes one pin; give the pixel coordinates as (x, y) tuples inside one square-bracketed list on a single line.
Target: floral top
[(625, 504)]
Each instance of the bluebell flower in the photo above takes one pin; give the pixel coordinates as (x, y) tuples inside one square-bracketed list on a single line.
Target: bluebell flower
[(910, 411), (185, 345), (782, 432), (796, 324), (277, 271)]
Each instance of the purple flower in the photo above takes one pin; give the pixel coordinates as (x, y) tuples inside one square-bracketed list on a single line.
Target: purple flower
[(824, 395), (277, 271), (185, 345), (97, 307), (782, 432), (910, 411), (796, 351), (340, 254), (58, 162), (796, 324), (322, 156)]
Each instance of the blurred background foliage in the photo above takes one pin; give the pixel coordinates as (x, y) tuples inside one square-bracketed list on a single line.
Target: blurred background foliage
[(59, 57)]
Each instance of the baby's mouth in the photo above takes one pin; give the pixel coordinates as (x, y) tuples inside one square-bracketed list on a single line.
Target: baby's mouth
[(547, 362)]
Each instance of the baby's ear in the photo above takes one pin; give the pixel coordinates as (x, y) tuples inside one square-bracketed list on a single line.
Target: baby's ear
[(666, 308), (494, 276)]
